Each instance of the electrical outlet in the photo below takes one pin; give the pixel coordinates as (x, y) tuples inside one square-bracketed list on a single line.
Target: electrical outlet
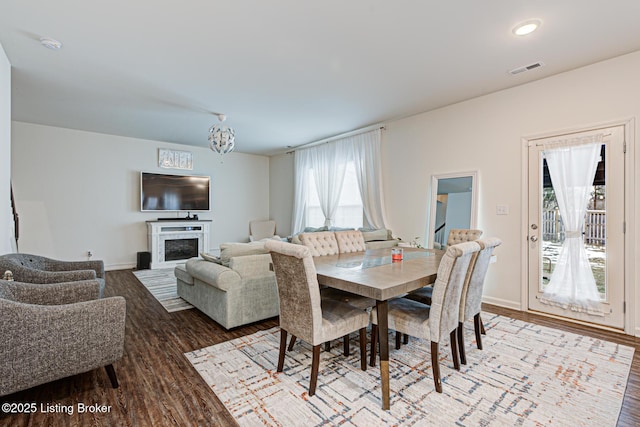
[(89, 253)]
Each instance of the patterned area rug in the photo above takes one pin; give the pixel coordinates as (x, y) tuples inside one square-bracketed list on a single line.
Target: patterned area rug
[(162, 285), (527, 375)]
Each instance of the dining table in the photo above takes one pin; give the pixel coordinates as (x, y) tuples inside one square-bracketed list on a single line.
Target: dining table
[(374, 274)]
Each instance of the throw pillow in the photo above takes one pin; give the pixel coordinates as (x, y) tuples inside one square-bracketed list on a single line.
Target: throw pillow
[(376, 235), (314, 229), (230, 250), (210, 258)]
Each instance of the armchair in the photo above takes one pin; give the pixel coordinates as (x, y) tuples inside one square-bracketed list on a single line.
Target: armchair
[(259, 230), (29, 268), (55, 330)]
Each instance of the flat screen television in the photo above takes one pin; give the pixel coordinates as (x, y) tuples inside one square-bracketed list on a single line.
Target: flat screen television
[(163, 192)]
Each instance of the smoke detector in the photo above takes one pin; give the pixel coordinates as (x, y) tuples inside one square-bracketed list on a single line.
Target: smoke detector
[(50, 43), (526, 68)]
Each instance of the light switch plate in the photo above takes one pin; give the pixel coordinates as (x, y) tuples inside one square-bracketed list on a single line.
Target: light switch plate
[(502, 209)]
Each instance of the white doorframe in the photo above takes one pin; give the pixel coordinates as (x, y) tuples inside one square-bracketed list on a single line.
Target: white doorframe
[(632, 235)]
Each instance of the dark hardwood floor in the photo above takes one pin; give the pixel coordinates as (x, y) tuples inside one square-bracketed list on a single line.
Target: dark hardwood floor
[(158, 386)]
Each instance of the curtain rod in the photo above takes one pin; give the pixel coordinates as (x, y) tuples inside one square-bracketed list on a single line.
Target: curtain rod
[(335, 137), (604, 135)]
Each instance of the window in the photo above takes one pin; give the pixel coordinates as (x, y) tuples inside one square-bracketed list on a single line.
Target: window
[(342, 160), (349, 213)]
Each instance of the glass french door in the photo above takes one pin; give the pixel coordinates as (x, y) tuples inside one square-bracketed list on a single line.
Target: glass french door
[(602, 233)]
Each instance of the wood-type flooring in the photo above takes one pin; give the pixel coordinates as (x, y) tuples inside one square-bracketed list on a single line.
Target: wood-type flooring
[(159, 387)]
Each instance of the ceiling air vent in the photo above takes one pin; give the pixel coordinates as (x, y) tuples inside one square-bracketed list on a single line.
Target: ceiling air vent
[(526, 68)]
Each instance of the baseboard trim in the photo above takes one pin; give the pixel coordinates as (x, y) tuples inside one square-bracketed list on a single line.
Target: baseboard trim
[(125, 266), (502, 303)]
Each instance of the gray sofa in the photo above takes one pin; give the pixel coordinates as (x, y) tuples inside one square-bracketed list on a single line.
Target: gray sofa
[(236, 289)]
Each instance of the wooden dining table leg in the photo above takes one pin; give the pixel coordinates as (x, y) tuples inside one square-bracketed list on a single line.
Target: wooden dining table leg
[(383, 336)]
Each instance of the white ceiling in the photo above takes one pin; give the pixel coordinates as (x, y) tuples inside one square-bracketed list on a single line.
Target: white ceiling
[(286, 72)]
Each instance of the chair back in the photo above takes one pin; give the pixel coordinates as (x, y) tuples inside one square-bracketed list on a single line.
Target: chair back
[(350, 241), (320, 243), (298, 290), (23, 266), (471, 298), (259, 230), (445, 301), (13, 260), (461, 235)]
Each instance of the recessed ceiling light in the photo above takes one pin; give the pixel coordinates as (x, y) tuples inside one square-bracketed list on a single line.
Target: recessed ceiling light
[(526, 27), (50, 43)]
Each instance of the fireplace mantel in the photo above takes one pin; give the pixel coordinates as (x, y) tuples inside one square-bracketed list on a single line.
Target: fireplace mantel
[(173, 242)]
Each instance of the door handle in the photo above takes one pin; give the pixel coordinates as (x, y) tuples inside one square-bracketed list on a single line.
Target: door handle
[(533, 238)]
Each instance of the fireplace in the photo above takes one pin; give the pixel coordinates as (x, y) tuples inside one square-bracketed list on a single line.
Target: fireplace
[(177, 249), (174, 242)]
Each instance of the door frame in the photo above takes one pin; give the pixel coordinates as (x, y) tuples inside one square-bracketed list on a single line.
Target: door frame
[(629, 218)]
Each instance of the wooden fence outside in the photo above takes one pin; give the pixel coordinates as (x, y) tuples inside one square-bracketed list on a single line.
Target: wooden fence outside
[(594, 227)]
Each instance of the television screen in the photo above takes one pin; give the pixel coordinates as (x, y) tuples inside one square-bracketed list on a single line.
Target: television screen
[(161, 192)]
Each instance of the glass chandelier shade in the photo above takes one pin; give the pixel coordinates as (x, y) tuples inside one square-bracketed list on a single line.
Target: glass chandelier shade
[(221, 137)]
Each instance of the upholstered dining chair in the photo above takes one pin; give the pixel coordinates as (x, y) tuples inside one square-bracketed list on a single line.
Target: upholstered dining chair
[(456, 235), (302, 312), (350, 241), (438, 320), (333, 243), (30, 268), (55, 330), (320, 243), (471, 298), (461, 235)]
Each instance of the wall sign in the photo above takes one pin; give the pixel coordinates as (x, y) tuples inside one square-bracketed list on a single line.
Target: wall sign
[(174, 159)]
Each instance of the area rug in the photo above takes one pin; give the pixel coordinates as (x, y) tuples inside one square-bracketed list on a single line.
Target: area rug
[(162, 285), (527, 375)]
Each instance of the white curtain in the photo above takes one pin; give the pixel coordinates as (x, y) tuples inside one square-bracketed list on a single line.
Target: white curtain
[(328, 163), (572, 166), (366, 157), (301, 165)]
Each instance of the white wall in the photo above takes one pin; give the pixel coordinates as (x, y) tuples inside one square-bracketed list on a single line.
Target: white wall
[(6, 218), (281, 192), (485, 134), (78, 191)]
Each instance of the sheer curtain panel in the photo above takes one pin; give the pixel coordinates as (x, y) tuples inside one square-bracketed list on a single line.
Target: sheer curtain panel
[(366, 157), (328, 163), (572, 166), (301, 165)]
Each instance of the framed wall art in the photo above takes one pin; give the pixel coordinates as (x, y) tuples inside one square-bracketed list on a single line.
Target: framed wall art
[(174, 159)]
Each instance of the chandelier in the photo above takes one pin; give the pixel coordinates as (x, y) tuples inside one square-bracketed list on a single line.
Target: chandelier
[(221, 137)]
